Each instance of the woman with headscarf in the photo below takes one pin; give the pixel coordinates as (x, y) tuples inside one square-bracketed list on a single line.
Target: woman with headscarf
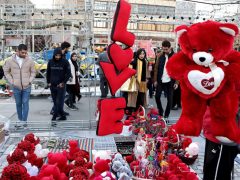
[(73, 87), (141, 66)]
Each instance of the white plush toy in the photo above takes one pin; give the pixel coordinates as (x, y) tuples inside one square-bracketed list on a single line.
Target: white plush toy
[(101, 154), (140, 149), (32, 170), (192, 150), (41, 153)]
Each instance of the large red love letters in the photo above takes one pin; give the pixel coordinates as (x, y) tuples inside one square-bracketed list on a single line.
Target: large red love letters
[(111, 110)]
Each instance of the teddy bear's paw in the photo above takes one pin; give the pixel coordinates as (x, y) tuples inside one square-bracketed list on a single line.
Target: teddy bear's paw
[(188, 128), (225, 140)]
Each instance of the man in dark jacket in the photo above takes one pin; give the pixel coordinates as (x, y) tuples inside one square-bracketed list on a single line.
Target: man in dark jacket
[(162, 81), (58, 73), (103, 57)]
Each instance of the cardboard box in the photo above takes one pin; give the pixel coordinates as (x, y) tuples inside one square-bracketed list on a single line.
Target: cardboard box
[(2, 136), (1, 125)]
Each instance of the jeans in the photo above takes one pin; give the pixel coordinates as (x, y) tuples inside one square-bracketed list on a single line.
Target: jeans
[(22, 102), (58, 95), (168, 90)]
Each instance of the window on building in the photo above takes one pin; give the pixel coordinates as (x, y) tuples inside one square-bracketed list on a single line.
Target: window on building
[(165, 27), (100, 6), (132, 26), (147, 27), (100, 24)]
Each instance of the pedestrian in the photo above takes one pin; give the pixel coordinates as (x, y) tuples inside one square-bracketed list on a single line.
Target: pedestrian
[(103, 57), (65, 47), (73, 87), (162, 80), (20, 72), (58, 73), (140, 64), (219, 158)]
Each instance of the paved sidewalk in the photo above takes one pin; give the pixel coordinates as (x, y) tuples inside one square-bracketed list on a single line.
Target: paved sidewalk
[(84, 118)]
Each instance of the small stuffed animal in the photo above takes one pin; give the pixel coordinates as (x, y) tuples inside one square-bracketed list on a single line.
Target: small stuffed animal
[(14, 171), (99, 167), (116, 166), (61, 160), (124, 173), (17, 156), (140, 149), (40, 152), (106, 176), (26, 146), (192, 150), (79, 173), (52, 170), (32, 138), (101, 154), (73, 148), (32, 170)]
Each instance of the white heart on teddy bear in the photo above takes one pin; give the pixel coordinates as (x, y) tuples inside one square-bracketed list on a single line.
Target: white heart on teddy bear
[(206, 83)]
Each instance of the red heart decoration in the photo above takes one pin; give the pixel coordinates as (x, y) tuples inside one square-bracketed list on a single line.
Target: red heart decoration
[(208, 83), (121, 58)]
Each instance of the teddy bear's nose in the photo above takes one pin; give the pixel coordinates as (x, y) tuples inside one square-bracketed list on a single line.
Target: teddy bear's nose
[(202, 59)]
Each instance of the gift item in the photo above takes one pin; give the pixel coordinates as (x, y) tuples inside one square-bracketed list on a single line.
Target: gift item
[(207, 68)]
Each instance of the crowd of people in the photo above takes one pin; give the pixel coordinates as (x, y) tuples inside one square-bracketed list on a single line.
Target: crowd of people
[(63, 76)]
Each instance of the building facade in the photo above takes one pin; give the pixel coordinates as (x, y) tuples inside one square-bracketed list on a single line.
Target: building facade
[(150, 20)]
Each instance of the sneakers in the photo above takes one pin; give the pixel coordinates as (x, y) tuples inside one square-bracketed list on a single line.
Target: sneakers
[(21, 125), (73, 107), (67, 104), (166, 119), (62, 118)]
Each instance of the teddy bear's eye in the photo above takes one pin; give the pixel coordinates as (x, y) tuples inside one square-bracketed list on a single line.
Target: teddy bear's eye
[(194, 50), (210, 50)]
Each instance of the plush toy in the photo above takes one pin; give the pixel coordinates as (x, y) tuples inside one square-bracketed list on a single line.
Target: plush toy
[(61, 160), (40, 152), (17, 156), (81, 153), (73, 148), (47, 178), (99, 167), (101, 154), (140, 149), (15, 171), (192, 150), (34, 160), (32, 170), (26, 146), (32, 138), (124, 173), (106, 176), (207, 68), (51, 170), (80, 173)]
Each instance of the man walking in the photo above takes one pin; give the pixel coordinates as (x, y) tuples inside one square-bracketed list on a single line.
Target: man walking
[(20, 72), (103, 57), (162, 81), (58, 73)]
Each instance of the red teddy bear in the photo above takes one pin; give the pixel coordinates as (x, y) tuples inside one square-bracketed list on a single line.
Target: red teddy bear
[(207, 68)]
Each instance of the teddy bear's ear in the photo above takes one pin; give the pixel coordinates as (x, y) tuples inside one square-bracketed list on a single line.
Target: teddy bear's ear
[(180, 30), (230, 29)]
